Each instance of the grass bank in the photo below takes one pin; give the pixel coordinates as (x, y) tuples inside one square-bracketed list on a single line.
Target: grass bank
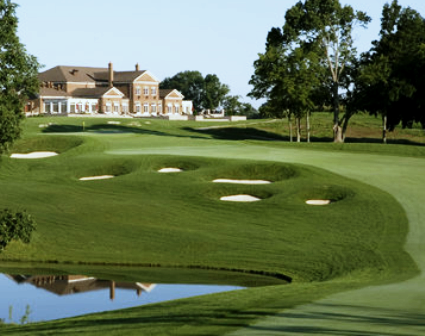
[(142, 217)]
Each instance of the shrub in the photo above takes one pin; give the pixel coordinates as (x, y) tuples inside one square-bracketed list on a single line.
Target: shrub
[(18, 226)]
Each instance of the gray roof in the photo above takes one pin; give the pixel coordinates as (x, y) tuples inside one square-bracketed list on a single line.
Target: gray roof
[(63, 73), (119, 76)]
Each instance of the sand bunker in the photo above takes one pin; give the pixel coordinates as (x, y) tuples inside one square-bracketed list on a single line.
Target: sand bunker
[(241, 181), (33, 155), (318, 202), (114, 122), (240, 198), (101, 177), (170, 170)]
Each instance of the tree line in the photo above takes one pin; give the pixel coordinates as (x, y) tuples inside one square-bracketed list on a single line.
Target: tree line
[(311, 62)]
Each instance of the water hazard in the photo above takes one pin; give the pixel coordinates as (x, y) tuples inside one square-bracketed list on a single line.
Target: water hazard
[(48, 297)]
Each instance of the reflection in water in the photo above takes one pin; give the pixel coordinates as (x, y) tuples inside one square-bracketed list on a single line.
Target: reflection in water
[(53, 297), (72, 284)]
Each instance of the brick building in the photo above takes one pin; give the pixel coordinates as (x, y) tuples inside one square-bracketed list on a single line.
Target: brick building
[(86, 90)]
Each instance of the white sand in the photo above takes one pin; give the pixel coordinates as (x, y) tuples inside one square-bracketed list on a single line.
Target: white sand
[(169, 170), (114, 122), (318, 202), (241, 181), (240, 198), (101, 177), (33, 155)]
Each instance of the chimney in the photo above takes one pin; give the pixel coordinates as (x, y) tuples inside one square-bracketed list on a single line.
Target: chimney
[(111, 74), (137, 67)]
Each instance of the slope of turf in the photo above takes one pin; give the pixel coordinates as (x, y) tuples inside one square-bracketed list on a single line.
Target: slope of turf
[(143, 217)]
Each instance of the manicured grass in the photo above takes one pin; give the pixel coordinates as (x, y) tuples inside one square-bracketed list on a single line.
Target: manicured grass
[(143, 217)]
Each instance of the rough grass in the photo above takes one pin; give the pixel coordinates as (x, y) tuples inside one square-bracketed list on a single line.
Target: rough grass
[(143, 217)]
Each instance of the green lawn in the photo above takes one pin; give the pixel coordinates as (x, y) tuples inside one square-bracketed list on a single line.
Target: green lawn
[(143, 218)]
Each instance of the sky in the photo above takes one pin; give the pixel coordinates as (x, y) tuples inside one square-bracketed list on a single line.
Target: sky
[(221, 37)]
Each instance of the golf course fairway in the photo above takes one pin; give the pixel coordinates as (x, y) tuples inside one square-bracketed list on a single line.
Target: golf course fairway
[(353, 267)]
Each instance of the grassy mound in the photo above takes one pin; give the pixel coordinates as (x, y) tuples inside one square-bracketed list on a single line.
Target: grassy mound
[(179, 220), (58, 144)]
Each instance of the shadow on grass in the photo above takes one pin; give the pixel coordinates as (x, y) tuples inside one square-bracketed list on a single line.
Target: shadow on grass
[(360, 321), (110, 129), (389, 141), (238, 133)]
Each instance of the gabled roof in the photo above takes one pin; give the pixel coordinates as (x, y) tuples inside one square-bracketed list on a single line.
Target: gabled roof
[(164, 93), (63, 73)]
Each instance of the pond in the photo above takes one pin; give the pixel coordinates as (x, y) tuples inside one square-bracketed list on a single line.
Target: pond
[(52, 297)]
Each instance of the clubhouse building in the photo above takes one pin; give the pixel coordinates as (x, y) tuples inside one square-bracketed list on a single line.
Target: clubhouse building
[(68, 90)]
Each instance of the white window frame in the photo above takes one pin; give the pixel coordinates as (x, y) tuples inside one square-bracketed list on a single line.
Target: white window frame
[(153, 91), (138, 91), (153, 108), (108, 108), (160, 108), (146, 90), (116, 108), (138, 108), (93, 108), (176, 108), (146, 108)]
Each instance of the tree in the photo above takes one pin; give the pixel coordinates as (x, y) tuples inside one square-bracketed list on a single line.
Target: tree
[(189, 83), (215, 92), (289, 77), (388, 84), (15, 226), (324, 27), (18, 76), (206, 93)]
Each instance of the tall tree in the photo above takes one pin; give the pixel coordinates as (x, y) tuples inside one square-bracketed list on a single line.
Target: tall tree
[(388, 84), (325, 27), (215, 92), (189, 83), (206, 93), (18, 76), (288, 76)]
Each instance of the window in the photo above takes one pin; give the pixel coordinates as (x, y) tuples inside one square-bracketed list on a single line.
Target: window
[(79, 107), (72, 107), (138, 108), (138, 92), (94, 107), (47, 107), (108, 108), (63, 106), (153, 108), (169, 108), (176, 108), (160, 108), (55, 107), (153, 91), (116, 108), (146, 90), (124, 108), (146, 108)]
